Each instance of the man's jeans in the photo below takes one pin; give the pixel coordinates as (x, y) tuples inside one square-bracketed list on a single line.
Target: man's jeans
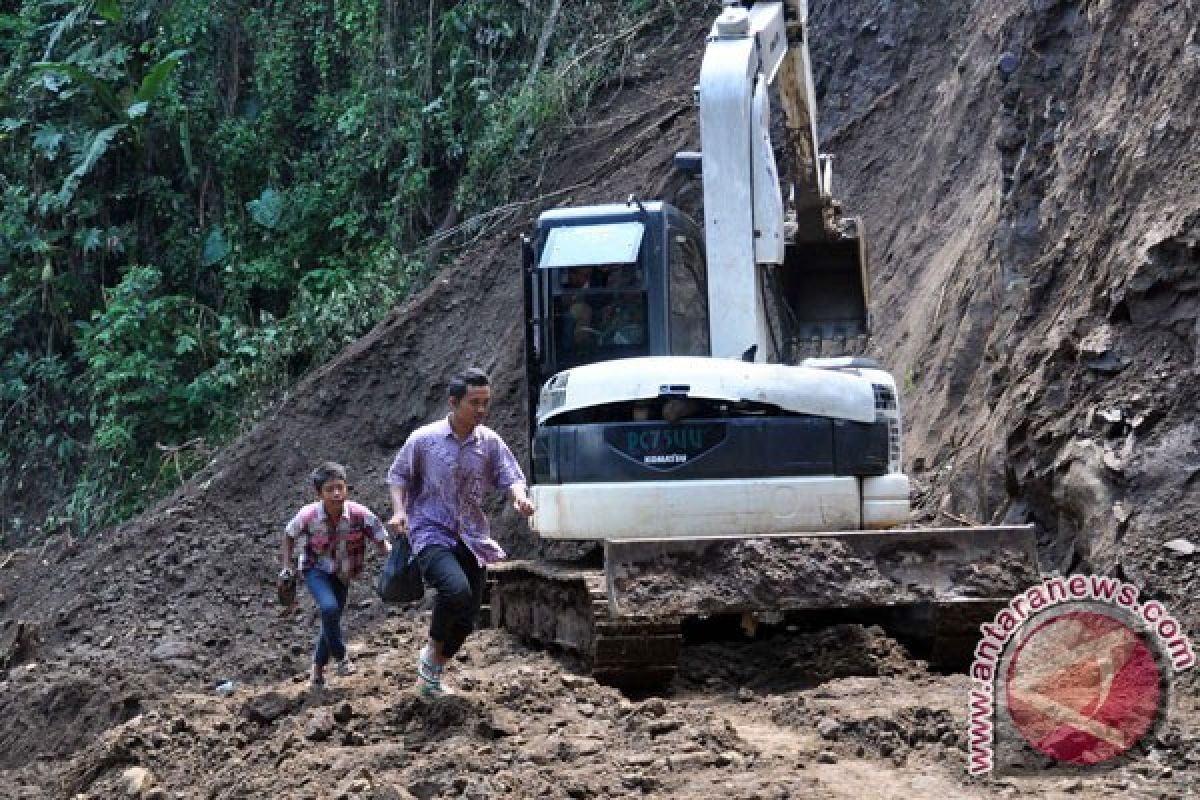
[(330, 594), (458, 579)]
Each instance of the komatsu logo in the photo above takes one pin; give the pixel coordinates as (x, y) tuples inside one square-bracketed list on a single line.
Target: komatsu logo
[(664, 446)]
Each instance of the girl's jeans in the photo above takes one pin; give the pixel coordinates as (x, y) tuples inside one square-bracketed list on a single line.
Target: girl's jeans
[(458, 579), (330, 595)]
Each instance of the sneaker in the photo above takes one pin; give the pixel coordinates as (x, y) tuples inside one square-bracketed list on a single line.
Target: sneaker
[(346, 667), (316, 682), (428, 688), (426, 668), (429, 675)]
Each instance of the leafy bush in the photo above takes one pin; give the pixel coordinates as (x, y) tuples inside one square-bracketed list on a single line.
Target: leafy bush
[(200, 201)]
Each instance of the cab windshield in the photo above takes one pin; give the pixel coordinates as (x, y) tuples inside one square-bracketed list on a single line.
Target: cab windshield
[(599, 313)]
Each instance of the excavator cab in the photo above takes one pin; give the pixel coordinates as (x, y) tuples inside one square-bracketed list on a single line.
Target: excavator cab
[(612, 282)]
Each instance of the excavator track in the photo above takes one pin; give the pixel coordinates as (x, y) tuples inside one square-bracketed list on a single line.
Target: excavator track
[(566, 606)]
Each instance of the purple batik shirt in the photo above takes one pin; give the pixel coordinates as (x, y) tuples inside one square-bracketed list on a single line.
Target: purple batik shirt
[(445, 480)]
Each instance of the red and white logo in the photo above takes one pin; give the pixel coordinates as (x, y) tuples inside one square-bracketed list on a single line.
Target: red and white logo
[(1076, 669), (1082, 685)]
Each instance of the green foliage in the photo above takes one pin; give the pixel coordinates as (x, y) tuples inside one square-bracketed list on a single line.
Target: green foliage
[(143, 352), (267, 209), (199, 202)]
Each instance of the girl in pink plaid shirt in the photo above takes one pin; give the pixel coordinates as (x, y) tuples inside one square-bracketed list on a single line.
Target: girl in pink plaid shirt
[(332, 535)]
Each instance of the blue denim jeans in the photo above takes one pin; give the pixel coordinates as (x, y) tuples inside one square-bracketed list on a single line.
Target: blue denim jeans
[(458, 579), (330, 595)]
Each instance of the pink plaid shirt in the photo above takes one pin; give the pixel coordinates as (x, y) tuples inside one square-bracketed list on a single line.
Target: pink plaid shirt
[(341, 551)]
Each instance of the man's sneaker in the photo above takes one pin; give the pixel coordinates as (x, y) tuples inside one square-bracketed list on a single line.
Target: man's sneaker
[(346, 667), (428, 688), (429, 675), (426, 668), (316, 682)]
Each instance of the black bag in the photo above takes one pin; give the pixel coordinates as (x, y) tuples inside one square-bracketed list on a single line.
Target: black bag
[(400, 579), (285, 590)]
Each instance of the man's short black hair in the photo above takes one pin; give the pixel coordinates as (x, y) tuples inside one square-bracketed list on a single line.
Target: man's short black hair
[(326, 472), (467, 378)]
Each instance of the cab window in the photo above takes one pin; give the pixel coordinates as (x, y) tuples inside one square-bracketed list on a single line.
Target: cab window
[(688, 297), (599, 313)]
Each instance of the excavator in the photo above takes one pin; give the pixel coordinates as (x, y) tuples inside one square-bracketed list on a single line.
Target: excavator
[(676, 425)]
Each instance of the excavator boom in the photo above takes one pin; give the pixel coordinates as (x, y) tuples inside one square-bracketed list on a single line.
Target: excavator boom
[(786, 267)]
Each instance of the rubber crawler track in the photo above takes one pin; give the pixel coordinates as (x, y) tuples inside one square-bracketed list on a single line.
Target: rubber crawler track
[(565, 606)]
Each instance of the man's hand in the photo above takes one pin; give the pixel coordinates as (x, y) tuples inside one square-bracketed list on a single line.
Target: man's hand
[(398, 524), (522, 504)]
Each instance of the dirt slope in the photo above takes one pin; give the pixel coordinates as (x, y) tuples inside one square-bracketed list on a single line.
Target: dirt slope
[(1037, 288), (1037, 270)]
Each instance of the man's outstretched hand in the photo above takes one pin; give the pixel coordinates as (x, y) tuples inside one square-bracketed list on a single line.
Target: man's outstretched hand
[(523, 505), (398, 524)]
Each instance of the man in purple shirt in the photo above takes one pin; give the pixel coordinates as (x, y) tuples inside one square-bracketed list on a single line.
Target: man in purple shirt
[(438, 482)]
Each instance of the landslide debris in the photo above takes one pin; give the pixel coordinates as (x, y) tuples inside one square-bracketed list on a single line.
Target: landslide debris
[(1027, 174)]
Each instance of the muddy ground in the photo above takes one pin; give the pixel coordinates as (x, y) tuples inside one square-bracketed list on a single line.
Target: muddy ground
[(1027, 173)]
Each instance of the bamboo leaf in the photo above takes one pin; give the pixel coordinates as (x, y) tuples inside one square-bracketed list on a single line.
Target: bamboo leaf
[(47, 141), (90, 240), (185, 144), (152, 81), (77, 16), (91, 154), (109, 9), (82, 76), (215, 248), (185, 344)]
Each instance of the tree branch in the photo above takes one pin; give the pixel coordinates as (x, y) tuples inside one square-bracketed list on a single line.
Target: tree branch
[(543, 43)]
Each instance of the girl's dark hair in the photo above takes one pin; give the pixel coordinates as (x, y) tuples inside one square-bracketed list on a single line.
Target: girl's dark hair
[(468, 377), (326, 472)]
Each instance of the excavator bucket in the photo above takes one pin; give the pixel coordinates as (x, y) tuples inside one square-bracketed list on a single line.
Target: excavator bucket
[(823, 287), (944, 581)]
